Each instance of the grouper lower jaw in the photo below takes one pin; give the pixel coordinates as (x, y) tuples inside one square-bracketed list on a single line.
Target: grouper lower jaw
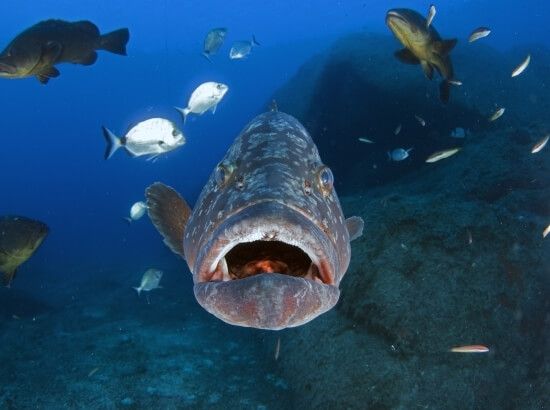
[(267, 266), (266, 301)]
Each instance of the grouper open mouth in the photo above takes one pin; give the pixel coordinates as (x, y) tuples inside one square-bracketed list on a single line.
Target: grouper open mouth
[(267, 242), (268, 266)]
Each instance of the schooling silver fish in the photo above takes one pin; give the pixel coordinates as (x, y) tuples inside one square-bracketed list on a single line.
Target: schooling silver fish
[(240, 49), (213, 41), (151, 137), (267, 242)]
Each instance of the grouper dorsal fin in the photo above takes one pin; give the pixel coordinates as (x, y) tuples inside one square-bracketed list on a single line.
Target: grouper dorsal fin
[(169, 213), (355, 227)]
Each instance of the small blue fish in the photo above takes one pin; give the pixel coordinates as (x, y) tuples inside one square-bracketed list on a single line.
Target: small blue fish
[(399, 154)]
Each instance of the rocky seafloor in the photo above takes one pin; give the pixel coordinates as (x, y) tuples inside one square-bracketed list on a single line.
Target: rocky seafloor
[(452, 254)]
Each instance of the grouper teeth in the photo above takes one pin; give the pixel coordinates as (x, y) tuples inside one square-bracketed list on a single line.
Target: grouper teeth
[(225, 269), (313, 273), (221, 272)]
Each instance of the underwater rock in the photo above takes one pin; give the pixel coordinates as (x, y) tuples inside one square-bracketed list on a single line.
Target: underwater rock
[(358, 88)]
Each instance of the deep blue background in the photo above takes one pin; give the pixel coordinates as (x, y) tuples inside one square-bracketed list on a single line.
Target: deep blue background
[(52, 147)]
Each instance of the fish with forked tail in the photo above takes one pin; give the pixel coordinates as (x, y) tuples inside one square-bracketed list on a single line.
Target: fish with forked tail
[(424, 46), (39, 48), (267, 241)]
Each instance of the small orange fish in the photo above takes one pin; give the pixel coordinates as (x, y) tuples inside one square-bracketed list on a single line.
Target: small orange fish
[(470, 349)]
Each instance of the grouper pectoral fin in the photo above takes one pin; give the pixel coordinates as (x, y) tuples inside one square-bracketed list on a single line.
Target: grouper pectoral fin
[(428, 69), (8, 275), (355, 227), (443, 47), (406, 56), (45, 75), (169, 213)]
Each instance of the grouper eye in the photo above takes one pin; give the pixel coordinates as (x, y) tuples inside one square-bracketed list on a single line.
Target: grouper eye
[(223, 173), (326, 180)]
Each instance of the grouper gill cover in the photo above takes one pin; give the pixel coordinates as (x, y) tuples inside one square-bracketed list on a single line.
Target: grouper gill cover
[(267, 241)]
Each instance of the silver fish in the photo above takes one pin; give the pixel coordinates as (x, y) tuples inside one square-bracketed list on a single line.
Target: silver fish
[(479, 33), (520, 68), (213, 41), (431, 15), (241, 49), (136, 212), (267, 242), (205, 97), (399, 154), (152, 137), (150, 280)]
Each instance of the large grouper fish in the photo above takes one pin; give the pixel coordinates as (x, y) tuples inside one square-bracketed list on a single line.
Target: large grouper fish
[(424, 46), (39, 48), (267, 241), (19, 238)]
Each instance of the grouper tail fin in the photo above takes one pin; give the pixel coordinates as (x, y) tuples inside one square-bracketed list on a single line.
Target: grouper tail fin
[(115, 41), (169, 213)]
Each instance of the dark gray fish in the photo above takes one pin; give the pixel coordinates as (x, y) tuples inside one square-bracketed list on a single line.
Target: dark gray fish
[(267, 241), (213, 41), (424, 46), (19, 238), (39, 48)]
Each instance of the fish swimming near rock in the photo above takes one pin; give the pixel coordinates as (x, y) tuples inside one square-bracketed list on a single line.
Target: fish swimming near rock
[(37, 50), (266, 242), (241, 49), (213, 41), (149, 281), (151, 137), (136, 212), (19, 239), (458, 132), (424, 46), (399, 154), (205, 97)]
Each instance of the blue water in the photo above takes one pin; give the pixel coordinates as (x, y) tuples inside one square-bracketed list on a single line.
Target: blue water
[(53, 170)]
